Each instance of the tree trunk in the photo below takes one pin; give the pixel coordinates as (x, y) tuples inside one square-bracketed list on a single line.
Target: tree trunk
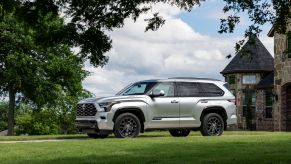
[(11, 112)]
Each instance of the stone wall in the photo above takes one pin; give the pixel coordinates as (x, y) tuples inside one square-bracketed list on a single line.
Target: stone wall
[(262, 123), (238, 88), (282, 78)]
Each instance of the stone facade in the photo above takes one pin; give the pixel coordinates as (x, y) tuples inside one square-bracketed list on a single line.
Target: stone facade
[(282, 120), (238, 89)]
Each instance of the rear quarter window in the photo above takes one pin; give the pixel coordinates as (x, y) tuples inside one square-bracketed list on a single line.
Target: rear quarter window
[(211, 90), (196, 89), (187, 89)]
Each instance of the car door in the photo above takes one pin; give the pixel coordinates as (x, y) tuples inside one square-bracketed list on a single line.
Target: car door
[(190, 104), (164, 110)]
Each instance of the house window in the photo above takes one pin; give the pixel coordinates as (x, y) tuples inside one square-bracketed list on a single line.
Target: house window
[(288, 50), (269, 104), (249, 103), (231, 79), (249, 79)]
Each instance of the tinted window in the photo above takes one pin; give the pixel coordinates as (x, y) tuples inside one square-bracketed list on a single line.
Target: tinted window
[(168, 88), (211, 90), (189, 90), (199, 90)]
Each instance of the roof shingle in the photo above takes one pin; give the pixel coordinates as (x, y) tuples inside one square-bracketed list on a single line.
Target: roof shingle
[(253, 57)]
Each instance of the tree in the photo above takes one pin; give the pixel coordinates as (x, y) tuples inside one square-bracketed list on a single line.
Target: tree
[(90, 20), (35, 41), (35, 62)]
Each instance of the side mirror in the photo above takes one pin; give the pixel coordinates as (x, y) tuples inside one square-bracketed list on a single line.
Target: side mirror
[(157, 93)]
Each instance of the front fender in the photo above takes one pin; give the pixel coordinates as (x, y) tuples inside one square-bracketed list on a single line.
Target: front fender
[(141, 105)]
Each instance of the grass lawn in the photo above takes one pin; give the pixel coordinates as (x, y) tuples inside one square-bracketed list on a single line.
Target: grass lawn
[(41, 137), (156, 147)]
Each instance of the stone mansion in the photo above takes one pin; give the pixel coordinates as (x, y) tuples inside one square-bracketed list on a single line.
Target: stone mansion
[(262, 84)]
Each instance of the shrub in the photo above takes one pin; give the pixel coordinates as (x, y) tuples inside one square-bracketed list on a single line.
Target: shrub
[(3, 115), (37, 123)]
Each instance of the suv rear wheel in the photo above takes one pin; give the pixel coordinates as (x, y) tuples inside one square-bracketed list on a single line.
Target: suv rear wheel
[(179, 132), (212, 125), (127, 125), (92, 135)]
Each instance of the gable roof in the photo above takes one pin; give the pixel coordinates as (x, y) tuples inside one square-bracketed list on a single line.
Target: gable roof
[(253, 57), (267, 82)]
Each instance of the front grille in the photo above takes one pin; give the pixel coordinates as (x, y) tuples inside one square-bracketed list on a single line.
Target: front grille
[(86, 110)]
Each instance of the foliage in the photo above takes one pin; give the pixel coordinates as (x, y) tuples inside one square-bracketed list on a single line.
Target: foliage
[(36, 123), (275, 12), (35, 60), (58, 118), (89, 20), (3, 115), (38, 72), (157, 147)]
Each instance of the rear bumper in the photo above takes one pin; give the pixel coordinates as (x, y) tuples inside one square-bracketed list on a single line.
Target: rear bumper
[(232, 120)]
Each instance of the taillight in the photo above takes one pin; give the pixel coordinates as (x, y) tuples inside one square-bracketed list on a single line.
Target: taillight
[(232, 100)]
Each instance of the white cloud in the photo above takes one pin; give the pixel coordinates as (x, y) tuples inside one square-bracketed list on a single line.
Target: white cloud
[(174, 50)]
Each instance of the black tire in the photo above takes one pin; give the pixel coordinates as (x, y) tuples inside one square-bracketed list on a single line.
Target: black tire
[(212, 124), (127, 125), (179, 132), (93, 135)]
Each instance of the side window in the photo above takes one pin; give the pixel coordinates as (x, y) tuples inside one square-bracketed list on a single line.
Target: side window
[(168, 88), (211, 90), (269, 103), (231, 79), (188, 90)]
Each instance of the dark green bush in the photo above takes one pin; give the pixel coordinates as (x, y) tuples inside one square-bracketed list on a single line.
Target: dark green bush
[(3, 115)]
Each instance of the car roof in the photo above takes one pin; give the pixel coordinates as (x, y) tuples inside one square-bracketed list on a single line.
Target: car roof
[(182, 79)]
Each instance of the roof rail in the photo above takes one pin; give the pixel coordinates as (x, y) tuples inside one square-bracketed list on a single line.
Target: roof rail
[(194, 78)]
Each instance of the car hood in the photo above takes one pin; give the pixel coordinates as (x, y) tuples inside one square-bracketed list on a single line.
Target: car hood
[(112, 98)]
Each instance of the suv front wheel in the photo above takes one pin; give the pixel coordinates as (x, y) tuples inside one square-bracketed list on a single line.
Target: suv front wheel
[(212, 125), (127, 125)]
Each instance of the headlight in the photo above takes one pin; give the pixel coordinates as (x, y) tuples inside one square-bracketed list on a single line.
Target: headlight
[(107, 105)]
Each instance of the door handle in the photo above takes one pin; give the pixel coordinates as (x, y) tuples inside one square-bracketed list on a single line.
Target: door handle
[(204, 101), (174, 101)]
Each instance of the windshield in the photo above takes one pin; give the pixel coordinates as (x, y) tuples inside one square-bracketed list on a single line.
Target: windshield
[(139, 88)]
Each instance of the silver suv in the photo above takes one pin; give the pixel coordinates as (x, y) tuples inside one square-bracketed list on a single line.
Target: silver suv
[(176, 104)]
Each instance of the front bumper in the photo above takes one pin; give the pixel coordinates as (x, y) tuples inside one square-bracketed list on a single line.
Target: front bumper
[(102, 121), (86, 124), (89, 126)]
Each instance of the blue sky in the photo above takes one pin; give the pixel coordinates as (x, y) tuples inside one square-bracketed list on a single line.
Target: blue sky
[(187, 45), (206, 19)]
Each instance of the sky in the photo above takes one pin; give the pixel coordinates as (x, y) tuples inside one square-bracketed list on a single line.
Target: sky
[(188, 45)]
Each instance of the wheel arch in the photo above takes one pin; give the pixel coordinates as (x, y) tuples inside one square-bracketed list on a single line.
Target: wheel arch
[(133, 110), (215, 109)]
